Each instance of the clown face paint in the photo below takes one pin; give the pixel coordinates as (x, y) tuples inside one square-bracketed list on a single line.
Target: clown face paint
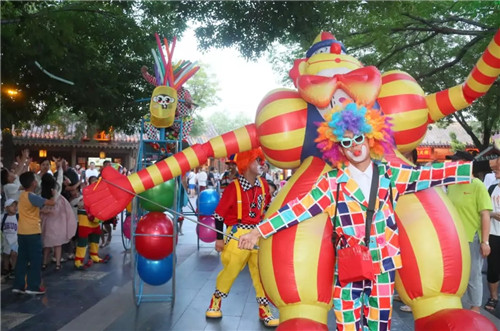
[(357, 155)]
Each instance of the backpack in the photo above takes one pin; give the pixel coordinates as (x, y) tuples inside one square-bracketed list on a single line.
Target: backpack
[(491, 189), (5, 217)]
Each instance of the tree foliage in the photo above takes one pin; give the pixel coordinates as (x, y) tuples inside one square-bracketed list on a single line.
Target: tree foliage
[(436, 42), (98, 45)]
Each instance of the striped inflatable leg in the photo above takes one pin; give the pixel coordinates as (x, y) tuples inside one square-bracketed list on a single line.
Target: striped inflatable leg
[(296, 264), (106, 198), (482, 76)]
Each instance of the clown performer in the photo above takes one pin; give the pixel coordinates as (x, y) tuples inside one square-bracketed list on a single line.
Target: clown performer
[(241, 208), (230, 174), (354, 139), (89, 233)]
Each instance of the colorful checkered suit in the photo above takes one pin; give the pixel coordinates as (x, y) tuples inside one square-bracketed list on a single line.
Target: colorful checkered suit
[(350, 222)]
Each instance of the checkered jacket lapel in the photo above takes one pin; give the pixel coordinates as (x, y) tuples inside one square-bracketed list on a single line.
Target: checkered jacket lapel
[(350, 188)]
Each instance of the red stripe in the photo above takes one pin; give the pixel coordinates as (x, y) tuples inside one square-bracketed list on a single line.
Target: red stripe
[(277, 96), (284, 123), (183, 161), (410, 274), (284, 273), (471, 95), (283, 241), (231, 143), (252, 133), (166, 172), (410, 136), (490, 59), (146, 179), (447, 236), (444, 103), (399, 103), (287, 155), (326, 265), (482, 78), (397, 76)]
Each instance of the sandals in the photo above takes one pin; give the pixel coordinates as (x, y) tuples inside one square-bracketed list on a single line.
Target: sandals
[(44, 266), (491, 305), (58, 267)]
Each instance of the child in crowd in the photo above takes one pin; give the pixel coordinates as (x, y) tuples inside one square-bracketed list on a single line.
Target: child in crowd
[(29, 259), (9, 236)]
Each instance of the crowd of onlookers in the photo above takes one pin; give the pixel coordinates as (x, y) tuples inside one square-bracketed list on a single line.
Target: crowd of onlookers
[(40, 205)]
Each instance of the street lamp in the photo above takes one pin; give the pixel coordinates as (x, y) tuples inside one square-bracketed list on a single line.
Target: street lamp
[(12, 92)]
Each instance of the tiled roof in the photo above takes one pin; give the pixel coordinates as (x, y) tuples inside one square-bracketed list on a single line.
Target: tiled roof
[(51, 135), (436, 136)]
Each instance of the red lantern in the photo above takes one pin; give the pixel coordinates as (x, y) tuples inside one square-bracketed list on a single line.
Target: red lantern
[(154, 236)]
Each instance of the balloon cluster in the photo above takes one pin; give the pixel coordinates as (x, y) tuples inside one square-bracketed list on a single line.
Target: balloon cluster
[(208, 201)]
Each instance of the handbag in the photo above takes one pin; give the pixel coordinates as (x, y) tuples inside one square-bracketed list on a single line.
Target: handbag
[(355, 262)]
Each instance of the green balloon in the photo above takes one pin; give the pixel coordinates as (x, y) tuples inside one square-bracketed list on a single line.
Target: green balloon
[(162, 194)]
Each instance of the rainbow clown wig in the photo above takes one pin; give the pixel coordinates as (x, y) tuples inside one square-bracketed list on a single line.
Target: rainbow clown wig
[(359, 120), (244, 159)]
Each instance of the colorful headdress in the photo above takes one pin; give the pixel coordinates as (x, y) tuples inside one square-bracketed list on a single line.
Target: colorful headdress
[(244, 159), (359, 120)]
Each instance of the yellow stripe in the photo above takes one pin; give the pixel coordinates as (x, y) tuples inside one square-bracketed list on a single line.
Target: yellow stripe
[(494, 48), (399, 87), (136, 183), (317, 312), (218, 146), (267, 271), (284, 140), (306, 252), (486, 69), (279, 107), (425, 243), (456, 96), (155, 174), (243, 139), (174, 165), (192, 159), (239, 203), (434, 111), (409, 119), (426, 306), (409, 147), (476, 86)]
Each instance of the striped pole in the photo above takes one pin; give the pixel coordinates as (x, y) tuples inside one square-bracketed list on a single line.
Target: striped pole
[(105, 201)]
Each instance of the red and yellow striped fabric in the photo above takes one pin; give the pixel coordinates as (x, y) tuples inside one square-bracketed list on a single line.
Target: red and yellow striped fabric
[(482, 76), (281, 126), (403, 99), (434, 252), (296, 265)]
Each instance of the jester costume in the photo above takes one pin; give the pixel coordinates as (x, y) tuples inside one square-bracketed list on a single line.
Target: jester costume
[(241, 208), (340, 193), (89, 233)]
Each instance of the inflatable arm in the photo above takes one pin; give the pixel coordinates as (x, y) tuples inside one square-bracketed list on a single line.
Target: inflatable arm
[(480, 79), (108, 197)]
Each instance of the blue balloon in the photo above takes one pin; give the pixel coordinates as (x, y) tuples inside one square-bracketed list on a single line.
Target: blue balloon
[(155, 272), (209, 199)]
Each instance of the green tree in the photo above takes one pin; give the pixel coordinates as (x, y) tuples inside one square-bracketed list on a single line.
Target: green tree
[(203, 88), (100, 46), (436, 42)]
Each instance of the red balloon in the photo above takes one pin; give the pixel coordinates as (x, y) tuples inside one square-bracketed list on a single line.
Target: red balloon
[(150, 239)]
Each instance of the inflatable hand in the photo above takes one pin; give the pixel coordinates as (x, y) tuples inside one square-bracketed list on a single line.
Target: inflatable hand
[(106, 198)]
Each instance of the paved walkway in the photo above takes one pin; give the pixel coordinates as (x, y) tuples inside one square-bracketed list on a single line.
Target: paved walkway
[(101, 298)]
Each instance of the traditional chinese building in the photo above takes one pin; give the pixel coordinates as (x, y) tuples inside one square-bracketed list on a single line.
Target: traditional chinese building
[(47, 141)]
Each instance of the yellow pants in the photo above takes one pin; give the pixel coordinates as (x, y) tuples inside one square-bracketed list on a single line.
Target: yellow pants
[(233, 261)]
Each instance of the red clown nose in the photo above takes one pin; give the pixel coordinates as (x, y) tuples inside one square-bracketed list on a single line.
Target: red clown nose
[(357, 153)]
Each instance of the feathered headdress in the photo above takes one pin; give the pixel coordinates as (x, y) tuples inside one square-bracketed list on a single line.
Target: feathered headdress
[(359, 120)]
